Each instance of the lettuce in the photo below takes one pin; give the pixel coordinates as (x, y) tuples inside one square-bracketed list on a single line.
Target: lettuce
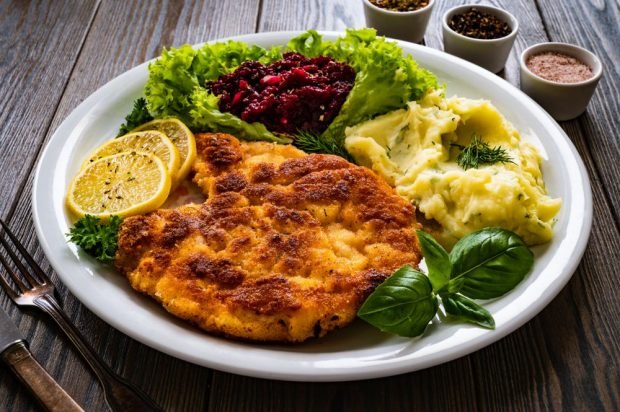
[(175, 87), (385, 80)]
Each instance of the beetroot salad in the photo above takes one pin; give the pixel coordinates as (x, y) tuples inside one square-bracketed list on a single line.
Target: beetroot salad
[(305, 92), (287, 96)]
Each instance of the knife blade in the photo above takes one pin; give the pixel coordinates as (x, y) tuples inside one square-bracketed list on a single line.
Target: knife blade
[(14, 352), (9, 335)]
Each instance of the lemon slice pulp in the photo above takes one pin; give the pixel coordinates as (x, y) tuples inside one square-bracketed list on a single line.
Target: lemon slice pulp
[(150, 141), (122, 184), (181, 136)]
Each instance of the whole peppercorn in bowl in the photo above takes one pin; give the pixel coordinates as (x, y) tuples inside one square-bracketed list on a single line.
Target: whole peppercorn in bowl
[(399, 19), (481, 34)]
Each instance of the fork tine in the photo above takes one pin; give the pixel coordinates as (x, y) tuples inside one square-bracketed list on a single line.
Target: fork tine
[(13, 276), (26, 255), (33, 282), (8, 289)]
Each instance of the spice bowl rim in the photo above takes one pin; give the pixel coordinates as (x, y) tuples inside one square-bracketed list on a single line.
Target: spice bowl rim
[(399, 13), (511, 20), (561, 47)]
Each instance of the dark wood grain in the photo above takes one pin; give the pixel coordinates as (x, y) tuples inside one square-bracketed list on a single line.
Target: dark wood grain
[(310, 14), (39, 44), (408, 392), (566, 358)]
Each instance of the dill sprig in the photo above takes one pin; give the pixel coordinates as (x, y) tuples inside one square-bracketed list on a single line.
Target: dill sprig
[(311, 142), (479, 152)]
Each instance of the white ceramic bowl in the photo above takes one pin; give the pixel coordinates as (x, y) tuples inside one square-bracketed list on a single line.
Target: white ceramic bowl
[(488, 53), (403, 25), (563, 101)]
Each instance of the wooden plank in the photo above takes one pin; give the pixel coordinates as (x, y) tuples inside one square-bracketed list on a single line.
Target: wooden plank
[(310, 14), (122, 35), (40, 43), (410, 392), (595, 26), (582, 326)]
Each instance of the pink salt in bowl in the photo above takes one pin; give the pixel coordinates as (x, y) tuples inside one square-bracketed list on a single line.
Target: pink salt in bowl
[(563, 101)]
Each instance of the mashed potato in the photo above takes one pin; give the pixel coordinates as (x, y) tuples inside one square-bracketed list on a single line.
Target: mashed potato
[(415, 150)]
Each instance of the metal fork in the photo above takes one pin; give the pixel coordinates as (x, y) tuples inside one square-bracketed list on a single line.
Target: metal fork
[(36, 290)]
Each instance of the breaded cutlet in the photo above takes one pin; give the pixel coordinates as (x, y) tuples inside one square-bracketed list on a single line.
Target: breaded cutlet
[(287, 246)]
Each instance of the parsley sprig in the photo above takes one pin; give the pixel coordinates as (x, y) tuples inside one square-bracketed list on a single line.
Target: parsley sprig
[(139, 115), (479, 152), (97, 238)]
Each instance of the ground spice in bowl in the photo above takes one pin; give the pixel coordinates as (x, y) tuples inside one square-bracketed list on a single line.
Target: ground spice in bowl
[(401, 5), (479, 25), (559, 67)]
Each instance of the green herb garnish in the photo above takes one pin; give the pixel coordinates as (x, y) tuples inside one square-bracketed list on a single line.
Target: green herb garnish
[(311, 142), (139, 115), (490, 262), (404, 304), (478, 152), (97, 238), (483, 265)]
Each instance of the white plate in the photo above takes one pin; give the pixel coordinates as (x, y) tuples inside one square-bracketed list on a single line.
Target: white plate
[(358, 351)]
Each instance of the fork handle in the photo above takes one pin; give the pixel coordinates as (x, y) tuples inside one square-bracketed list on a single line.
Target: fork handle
[(47, 391), (119, 394)]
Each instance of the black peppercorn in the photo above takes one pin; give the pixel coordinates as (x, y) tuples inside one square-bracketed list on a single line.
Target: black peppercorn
[(401, 5), (479, 25)]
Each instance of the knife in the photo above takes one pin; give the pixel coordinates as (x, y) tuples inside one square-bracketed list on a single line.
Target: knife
[(15, 353)]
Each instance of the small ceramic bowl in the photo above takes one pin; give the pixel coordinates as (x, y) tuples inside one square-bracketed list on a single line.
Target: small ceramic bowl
[(403, 25), (488, 53), (563, 101)]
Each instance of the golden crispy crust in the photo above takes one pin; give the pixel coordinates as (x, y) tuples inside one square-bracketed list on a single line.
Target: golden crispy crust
[(286, 247)]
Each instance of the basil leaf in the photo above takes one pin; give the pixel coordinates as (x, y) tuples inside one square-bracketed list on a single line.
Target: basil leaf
[(467, 310), (437, 260), (454, 286), (404, 304), (492, 261)]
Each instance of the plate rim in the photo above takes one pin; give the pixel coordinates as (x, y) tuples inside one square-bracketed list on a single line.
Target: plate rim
[(317, 374)]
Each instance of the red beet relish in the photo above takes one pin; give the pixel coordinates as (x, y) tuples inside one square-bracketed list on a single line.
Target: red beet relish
[(293, 94)]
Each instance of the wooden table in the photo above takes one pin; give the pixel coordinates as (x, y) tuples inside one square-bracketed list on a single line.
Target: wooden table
[(56, 53)]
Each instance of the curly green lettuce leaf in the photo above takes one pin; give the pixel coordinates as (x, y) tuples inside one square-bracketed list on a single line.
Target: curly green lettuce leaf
[(175, 87), (205, 115), (386, 78)]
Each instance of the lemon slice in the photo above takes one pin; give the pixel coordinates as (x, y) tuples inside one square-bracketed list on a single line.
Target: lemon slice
[(181, 136), (123, 184), (150, 141)]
